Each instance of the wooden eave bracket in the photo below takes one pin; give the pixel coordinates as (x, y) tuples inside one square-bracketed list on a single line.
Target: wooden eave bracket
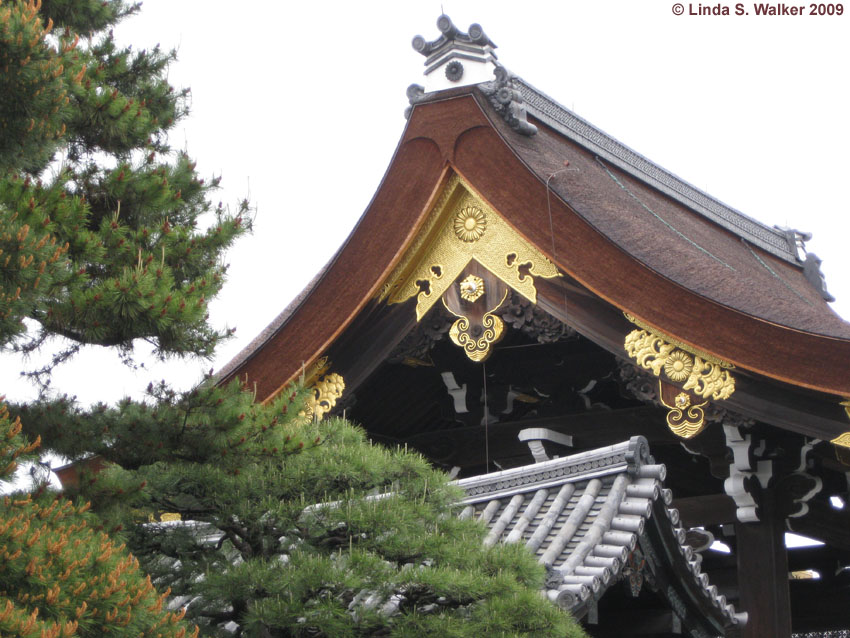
[(687, 377)]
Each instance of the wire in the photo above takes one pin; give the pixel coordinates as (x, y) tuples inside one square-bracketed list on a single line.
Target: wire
[(659, 218), (773, 272), (552, 228), (486, 423)]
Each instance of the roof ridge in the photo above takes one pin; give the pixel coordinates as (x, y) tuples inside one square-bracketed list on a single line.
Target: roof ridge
[(629, 456), (596, 518), (777, 242)]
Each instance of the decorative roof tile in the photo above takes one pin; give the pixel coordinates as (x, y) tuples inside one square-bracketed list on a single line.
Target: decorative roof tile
[(456, 58), (586, 516)]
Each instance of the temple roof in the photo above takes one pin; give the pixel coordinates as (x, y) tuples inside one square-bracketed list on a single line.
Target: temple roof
[(779, 242), (592, 518), (626, 235), (675, 229)]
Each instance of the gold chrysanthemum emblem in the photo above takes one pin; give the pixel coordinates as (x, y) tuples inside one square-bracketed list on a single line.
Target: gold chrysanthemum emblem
[(470, 223), (471, 288), (682, 400), (678, 365)]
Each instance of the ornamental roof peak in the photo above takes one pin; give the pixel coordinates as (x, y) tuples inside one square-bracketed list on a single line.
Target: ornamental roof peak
[(456, 58)]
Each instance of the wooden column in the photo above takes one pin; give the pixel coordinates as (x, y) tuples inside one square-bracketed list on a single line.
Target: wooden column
[(763, 573)]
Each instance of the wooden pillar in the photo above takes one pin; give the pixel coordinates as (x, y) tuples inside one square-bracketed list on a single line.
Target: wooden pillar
[(763, 573)]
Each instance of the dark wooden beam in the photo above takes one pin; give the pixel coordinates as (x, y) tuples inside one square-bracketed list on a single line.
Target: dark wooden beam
[(370, 340), (464, 446), (824, 523), (763, 573), (711, 509)]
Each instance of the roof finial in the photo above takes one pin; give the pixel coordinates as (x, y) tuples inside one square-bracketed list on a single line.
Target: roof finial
[(463, 58)]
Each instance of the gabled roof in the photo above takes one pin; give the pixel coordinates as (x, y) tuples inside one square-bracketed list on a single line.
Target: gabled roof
[(668, 225), (632, 245), (627, 236), (587, 516)]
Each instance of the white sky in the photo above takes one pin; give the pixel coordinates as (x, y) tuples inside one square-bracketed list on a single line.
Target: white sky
[(300, 106)]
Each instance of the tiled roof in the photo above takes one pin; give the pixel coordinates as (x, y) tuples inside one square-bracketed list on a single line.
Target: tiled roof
[(584, 515)]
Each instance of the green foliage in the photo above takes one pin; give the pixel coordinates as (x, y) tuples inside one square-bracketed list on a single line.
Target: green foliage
[(290, 527), (34, 81), (106, 235), (60, 575)]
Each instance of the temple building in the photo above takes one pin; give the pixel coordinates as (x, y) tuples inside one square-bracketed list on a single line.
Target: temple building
[(622, 372)]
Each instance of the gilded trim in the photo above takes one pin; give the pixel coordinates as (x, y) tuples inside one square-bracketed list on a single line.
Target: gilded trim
[(323, 396), (695, 351), (314, 371), (476, 338), (842, 440), (708, 378), (462, 228), (684, 418), (471, 288)]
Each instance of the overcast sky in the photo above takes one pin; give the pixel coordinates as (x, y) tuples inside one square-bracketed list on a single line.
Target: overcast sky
[(300, 105)]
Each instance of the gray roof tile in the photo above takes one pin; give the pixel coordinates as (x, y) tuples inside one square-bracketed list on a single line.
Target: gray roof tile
[(584, 515)]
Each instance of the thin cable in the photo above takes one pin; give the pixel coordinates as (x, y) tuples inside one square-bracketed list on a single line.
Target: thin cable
[(549, 207), (486, 423), (773, 272), (552, 228), (522, 345), (661, 219), (552, 233)]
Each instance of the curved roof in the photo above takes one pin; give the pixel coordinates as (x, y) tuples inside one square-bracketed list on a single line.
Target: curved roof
[(587, 516), (613, 230), (669, 225), (541, 106)]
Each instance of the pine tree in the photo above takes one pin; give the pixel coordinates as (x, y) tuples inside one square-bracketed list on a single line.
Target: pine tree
[(106, 237), (61, 576), (268, 523)]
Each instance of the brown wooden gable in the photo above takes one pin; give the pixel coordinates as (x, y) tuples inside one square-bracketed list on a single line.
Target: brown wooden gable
[(636, 250), (628, 245)]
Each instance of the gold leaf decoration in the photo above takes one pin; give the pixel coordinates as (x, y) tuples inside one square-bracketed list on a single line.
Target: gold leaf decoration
[(462, 228), (678, 365), (709, 379), (312, 372), (323, 396), (842, 447), (686, 425), (684, 419), (471, 288), (843, 440), (470, 223), (477, 347)]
